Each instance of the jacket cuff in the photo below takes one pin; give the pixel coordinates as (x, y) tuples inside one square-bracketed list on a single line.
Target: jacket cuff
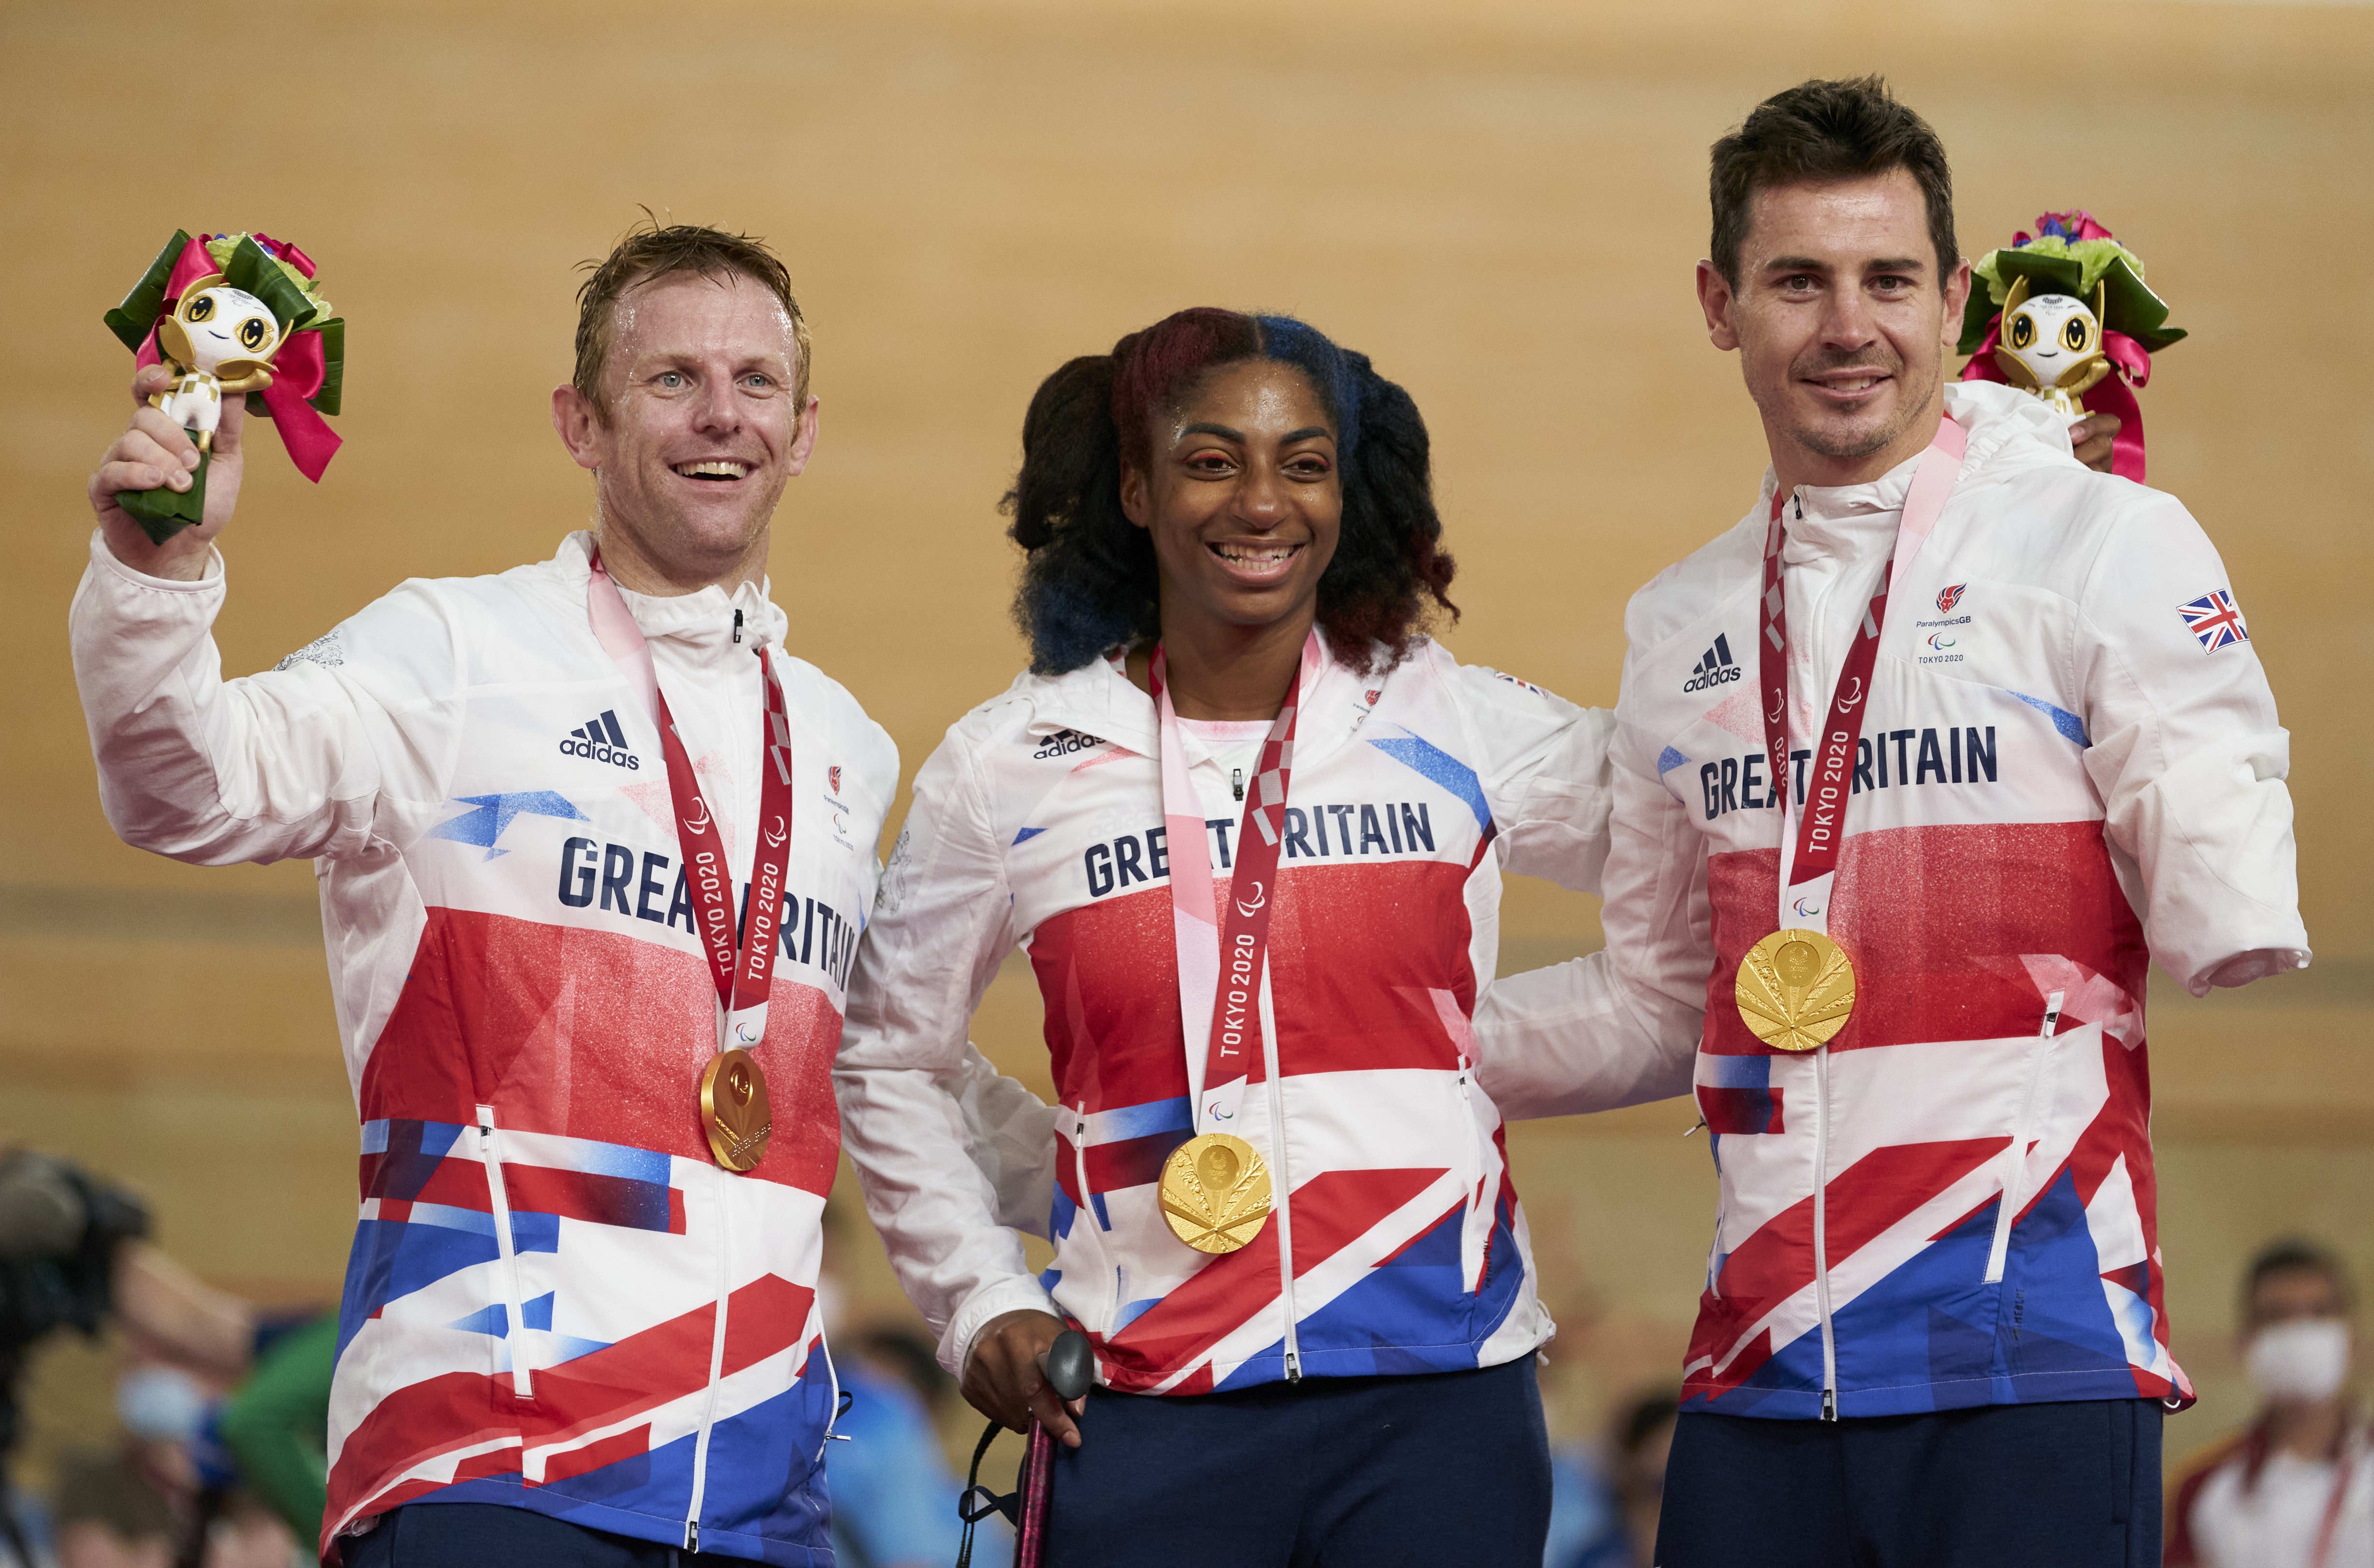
[(2244, 968), (1018, 1294), (103, 559)]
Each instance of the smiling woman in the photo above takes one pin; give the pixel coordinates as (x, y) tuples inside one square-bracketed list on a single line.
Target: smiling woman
[(1249, 823), (1091, 466)]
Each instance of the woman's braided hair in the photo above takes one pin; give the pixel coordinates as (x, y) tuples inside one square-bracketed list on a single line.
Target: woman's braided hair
[(1089, 582)]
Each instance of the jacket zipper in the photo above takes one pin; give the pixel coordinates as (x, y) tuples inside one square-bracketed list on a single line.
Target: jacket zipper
[(1279, 1185), (2016, 1157), (1278, 1181), (716, 1372), (1816, 628), (1821, 1236), (724, 1273), (506, 1257)]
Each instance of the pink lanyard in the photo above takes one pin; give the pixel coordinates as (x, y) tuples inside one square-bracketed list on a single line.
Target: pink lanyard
[(1810, 855), (743, 978), (1222, 979)]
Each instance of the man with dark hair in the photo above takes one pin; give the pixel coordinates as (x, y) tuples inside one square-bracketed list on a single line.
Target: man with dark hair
[(579, 1323), (1917, 767), (1843, 130), (2295, 1489)]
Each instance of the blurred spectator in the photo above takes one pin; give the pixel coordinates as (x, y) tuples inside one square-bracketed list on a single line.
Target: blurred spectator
[(1603, 1501), (2295, 1489), (109, 1513), (1636, 1448), (173, 1423), (275, 1425), (71, 1256), (893, 1497), (1586, 1524)]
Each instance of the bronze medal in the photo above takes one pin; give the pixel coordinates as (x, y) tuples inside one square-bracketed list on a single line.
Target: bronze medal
[(1215, 1193), (734, 1111), (1796, 990)]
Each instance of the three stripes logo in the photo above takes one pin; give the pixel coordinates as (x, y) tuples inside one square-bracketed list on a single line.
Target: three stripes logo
[(1714, 669), (601, 740)]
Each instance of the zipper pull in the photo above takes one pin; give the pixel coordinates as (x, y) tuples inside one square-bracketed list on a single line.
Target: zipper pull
[(737, 625), (1293, 1368), (1694, 1129), (692, 1535), (1237, 781), (1829, 1404)]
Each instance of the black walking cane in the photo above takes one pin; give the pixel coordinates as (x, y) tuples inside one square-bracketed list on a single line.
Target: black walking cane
[(1070, 1367)]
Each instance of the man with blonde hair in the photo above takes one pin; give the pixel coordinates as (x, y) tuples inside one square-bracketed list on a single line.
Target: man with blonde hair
[(592, 1063)]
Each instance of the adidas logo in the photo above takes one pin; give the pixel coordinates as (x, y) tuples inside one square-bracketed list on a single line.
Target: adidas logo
[(1714, 669), (600, 739), (1063, 743)]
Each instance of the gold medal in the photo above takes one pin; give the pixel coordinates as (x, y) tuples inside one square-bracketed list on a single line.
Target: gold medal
[(733, 1109), (1215, 1193), (1796, 990)]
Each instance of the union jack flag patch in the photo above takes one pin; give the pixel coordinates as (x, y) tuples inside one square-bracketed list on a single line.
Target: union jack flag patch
[(2215, 620)]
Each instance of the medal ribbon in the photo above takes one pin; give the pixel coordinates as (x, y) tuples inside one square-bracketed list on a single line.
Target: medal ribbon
[(1812, 830), (743, 977), (1223, 981)]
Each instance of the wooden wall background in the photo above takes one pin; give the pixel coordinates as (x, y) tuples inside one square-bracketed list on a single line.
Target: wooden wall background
[(1500, 200)]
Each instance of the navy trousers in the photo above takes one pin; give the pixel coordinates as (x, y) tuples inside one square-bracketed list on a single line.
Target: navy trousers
[(2073, 1485), (1432, 1469), (476, 1535)]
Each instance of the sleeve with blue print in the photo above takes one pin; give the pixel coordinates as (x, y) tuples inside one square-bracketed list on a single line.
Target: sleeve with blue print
[(2186, 751), (348, 743), (1619, 1026), (1543, 763)]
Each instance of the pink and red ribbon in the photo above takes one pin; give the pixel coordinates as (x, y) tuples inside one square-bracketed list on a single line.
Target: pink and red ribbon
[(2130, 362)]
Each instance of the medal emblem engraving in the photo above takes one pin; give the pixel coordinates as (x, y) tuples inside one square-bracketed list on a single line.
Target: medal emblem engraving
[(1215, 1193), (1796, 990), (735, 1111)]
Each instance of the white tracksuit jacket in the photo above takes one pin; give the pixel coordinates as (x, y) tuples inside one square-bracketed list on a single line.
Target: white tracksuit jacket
[(1039, 823), (531, 1315), (2072, 765)]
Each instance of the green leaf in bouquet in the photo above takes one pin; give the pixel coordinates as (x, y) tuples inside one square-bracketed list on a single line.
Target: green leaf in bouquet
[(163, 512), (131, 321)]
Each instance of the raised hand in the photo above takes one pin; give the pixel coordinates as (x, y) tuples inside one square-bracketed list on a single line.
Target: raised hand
[(2090, 437), (154, 451)]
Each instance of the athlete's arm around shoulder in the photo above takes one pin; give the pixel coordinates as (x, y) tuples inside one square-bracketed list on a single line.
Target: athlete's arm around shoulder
[(2185, 749), (345, 746), (1619, 1026), (1542, 762), (937, 1140)]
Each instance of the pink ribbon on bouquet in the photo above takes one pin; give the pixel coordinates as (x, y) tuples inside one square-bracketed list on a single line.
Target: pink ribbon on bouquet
[(297, 371)]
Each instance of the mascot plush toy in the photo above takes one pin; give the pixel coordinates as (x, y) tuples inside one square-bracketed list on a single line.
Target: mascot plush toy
[(222, 339), (2065, 314), (233, 314)]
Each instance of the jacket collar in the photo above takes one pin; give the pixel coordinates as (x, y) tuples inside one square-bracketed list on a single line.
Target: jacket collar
[(697, 628), (1098, 699), (2007, 426)]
